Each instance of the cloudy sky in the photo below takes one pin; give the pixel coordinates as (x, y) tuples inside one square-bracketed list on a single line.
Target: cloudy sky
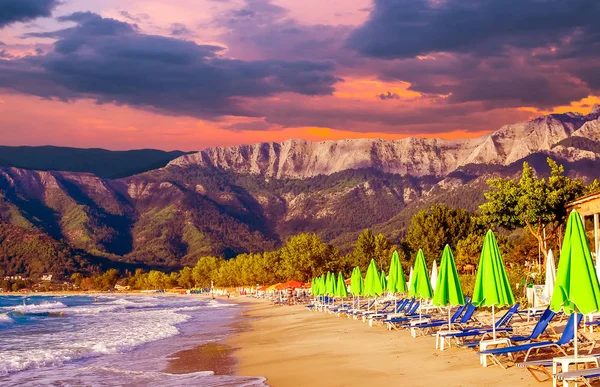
[(187, 74)]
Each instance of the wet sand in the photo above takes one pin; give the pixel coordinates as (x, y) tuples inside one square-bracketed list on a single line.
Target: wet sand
[(292, 346), (216, 357)]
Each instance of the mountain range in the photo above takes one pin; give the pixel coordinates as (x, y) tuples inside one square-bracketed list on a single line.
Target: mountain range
[(229, 200)]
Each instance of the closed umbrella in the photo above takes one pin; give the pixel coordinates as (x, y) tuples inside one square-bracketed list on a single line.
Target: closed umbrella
[(383, 281), (330, 284), (340, 289), (373, 281), (491, 285), (434, 275), (598, 264), (576, 289), (448, 291), (322, 283), (357, 285), (550, 276), (410, 276), (396, 282), (420, 286)]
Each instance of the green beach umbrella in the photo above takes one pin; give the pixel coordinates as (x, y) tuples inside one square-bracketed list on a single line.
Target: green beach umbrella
[(491, 285), (448, 291), (341, 289), (373, 281), (576, 289), (420, 285), (383, 281), (357, 285), (321, 285), (396, 282), (330, 284)]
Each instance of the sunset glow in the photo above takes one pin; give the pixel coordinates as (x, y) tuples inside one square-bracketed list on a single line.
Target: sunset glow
[(192, 74)]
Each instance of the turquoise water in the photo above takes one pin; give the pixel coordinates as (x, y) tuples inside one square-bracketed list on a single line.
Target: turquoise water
[(116, 340)]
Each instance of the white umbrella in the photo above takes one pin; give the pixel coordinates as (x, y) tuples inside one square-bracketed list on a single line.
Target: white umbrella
[(598, 264), (434, 275), (409, 278), (551, 275)]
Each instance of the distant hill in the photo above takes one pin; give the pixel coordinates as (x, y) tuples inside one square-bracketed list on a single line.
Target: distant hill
[(252, 198), (101, 162)]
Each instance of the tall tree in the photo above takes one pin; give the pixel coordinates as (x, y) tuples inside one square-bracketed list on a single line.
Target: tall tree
[(305, 256), (364, 250), (205, 270), (432, 229), (531, 202)]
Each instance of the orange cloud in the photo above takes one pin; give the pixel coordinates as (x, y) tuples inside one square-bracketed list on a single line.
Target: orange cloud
[(369, 89)]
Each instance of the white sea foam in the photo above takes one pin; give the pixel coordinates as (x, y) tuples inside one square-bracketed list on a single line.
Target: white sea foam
[(101, 329), (5, 318), (40, 308)]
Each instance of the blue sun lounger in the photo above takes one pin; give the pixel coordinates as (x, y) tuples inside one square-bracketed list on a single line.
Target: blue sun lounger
[(382, 315), (538, 329), (556, 346), (501, 326), (426, 328), (579, 376), (409, 313)]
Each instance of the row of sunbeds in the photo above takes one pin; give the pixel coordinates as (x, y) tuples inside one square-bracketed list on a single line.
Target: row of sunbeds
[(532, 349)]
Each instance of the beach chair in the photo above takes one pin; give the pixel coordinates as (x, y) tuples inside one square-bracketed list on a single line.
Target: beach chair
[(536, 332), (376, 309), (579, 376), (427, 328), (342, 306), (557, 347), (402, 309), (379, 317), (395, 322), (501, 326), (353, 313)]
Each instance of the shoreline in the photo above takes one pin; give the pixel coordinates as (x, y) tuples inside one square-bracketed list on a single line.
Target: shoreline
[(185, 351), (291, 346)]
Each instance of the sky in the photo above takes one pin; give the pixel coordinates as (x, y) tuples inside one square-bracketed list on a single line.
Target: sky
[(190, 74)]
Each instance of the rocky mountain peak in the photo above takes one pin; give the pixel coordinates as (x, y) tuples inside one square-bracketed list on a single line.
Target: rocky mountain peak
[(412, 156)]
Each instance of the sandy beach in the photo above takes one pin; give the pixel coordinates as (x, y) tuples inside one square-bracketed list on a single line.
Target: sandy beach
[(292, 346)]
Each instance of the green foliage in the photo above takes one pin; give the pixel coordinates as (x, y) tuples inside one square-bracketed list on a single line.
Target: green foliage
[(206, 270), (531, 202), (367, 247), (431, 230), (305, 256), (25, 251)]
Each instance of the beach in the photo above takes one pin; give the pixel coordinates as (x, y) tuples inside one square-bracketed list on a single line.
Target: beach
[(292, 346)]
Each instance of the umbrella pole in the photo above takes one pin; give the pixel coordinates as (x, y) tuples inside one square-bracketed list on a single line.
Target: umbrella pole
[(575, 334), (449, 323), (420, 310), (493, 323)]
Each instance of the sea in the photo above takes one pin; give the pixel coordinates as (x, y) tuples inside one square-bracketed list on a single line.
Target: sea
[(110, 340)]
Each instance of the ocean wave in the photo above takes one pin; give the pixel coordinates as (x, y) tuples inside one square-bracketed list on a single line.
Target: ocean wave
[(108, 333), (43, 307), (5, 318), (105, 376)]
